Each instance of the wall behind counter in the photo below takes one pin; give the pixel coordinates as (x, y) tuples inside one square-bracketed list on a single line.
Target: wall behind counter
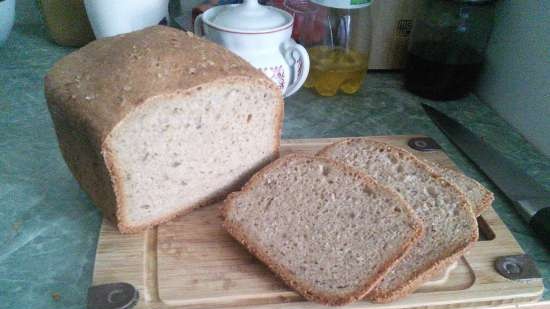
[(516, 77)]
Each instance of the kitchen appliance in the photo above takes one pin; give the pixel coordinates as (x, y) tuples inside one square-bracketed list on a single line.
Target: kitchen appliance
[(339, 55), (447, 47), (67, 22), (109, 18), (262, 36), (530, 198), (192, 262), (7, 18)]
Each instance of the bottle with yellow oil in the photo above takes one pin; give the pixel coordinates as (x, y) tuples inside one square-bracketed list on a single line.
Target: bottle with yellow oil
[(339, 60)]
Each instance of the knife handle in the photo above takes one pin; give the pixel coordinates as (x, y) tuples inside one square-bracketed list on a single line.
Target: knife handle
[(540, 223)]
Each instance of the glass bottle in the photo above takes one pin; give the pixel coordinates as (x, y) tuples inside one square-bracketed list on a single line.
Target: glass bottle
[(447, 47), (338, 40)]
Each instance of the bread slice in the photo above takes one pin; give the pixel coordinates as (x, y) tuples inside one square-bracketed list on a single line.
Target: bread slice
[(156, 122), (477, 195), (451, 227), (329, 232)]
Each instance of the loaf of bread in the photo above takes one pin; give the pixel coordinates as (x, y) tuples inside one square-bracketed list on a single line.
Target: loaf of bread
[(329, 232), (157, 122), (451, 227)]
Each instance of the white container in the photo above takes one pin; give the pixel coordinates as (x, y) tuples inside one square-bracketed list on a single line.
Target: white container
[(262, 36), (7, 18), (112, 17)]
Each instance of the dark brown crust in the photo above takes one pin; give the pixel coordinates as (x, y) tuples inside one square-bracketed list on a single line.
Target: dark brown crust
[(83, 91), (452, 254), (302, 287), (486, 202)]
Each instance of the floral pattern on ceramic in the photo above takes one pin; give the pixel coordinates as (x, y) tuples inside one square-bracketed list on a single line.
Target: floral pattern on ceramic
[(276, 74)]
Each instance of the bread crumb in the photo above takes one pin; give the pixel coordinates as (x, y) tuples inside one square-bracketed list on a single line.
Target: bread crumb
[(56, 296)]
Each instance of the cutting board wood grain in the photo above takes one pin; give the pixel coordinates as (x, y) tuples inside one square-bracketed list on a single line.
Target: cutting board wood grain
[(192, 262)]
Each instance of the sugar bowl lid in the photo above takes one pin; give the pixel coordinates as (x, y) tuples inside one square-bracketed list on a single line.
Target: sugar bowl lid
[(250, 16)]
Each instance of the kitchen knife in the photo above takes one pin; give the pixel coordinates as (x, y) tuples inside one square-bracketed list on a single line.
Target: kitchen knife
[(530, 198)]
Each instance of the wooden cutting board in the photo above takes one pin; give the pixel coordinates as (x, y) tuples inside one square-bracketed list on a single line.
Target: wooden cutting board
[(192, 262)]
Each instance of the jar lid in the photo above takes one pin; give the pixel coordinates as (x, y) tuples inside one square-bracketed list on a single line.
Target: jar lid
[(250, 16), (344, 4)]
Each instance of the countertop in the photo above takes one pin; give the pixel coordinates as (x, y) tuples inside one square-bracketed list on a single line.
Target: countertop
[(49, 227)]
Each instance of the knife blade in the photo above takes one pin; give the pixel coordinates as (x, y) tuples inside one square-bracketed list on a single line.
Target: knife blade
[(530, 198)]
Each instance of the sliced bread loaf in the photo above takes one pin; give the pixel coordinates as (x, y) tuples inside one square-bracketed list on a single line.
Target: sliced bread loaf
[(477, 195), (328, 231), (156, 122), (451, 227)]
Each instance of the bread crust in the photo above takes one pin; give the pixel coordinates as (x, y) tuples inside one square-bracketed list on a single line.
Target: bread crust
[(451, 255), (486, 202), (302, 287), (94, 89)]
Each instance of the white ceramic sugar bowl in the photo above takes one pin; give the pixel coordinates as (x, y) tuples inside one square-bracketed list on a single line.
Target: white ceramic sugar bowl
[(262, 36)]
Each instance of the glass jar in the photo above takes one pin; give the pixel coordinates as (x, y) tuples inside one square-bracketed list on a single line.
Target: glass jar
[(67, 22), (447, 47), (337, 35)]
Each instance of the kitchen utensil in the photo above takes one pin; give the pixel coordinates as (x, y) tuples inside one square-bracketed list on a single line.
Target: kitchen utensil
[(531, 199), (109, 18), (261, 35), (67, 22), (192, 262), (7, 18), (447, 46), (340, 60)]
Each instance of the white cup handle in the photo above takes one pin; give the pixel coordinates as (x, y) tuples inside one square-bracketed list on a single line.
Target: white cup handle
[(197, 26), (298, 59)]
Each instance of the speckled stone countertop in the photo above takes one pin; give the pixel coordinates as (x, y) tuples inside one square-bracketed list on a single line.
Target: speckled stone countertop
[(49, 228)]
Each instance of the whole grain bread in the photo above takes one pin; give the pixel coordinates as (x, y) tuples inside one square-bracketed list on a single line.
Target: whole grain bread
[(156, 122), (451, 227), (477, 195), (328, 231)]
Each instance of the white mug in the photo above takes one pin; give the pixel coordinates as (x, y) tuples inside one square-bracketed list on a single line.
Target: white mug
[(273, 51), (7, 18), (112, 17)]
